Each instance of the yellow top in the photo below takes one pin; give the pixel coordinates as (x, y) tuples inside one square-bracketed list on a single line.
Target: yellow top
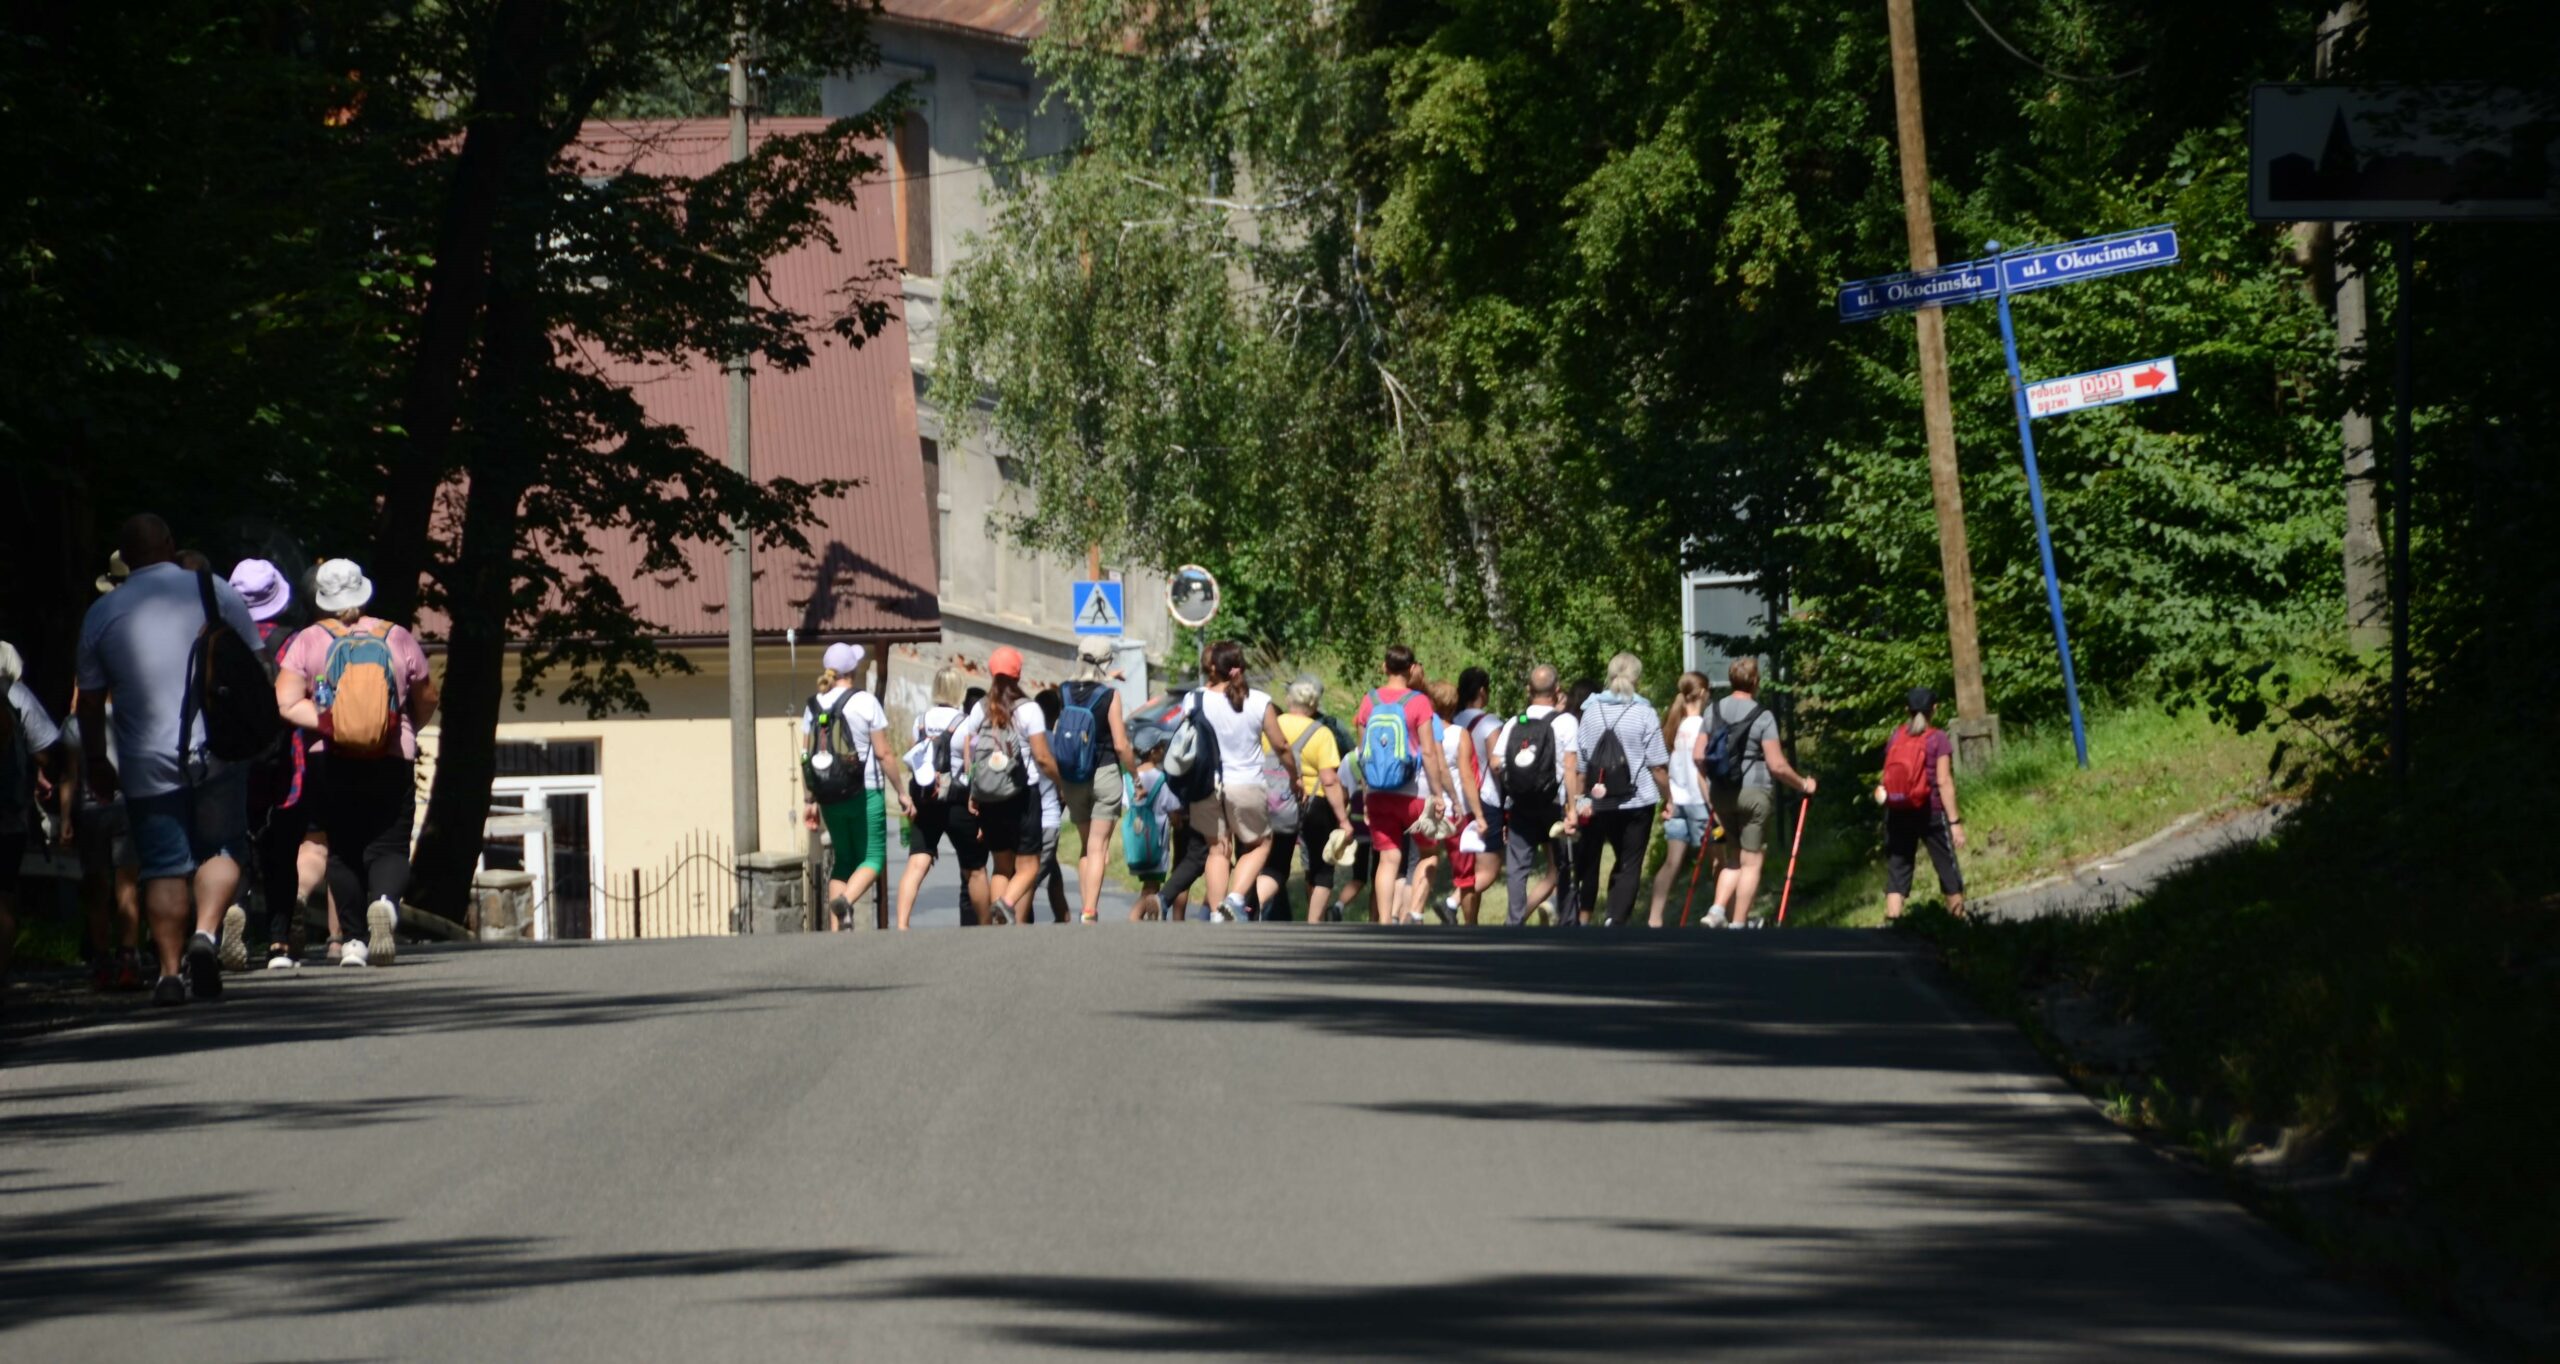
[(1321, 752)]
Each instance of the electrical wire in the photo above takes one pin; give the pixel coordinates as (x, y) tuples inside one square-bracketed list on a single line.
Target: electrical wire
[(2012, 50)]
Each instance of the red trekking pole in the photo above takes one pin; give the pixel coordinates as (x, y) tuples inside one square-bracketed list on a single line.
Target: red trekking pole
[(1797, 847), (1698, 864)]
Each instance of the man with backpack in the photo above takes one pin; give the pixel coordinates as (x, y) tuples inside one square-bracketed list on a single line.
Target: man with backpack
[(152, 643), (1537, 781), (360, 689), (1739, 754), (1918, 794), (1397, 753), (1091, 744)]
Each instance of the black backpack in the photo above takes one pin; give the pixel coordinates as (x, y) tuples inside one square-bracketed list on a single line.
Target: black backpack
[(230, 688), (1199, 781), (1611, 782), (1529, 764), (832, 775), (1729, 747)]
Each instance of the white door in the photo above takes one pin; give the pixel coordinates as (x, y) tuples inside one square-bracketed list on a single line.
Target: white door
[(568, 866)]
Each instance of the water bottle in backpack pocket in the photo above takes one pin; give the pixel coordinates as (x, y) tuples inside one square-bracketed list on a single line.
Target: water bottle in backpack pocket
[(828, 770)]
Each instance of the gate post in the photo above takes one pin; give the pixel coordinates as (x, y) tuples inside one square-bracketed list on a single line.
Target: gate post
[(777, 897)]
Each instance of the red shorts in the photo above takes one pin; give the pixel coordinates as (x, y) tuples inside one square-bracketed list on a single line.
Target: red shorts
[(1462, 867), (1389, 817)]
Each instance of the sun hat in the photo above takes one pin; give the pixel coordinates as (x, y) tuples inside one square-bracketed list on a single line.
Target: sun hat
[(262, 587), (1005, 662), (1094, 649), (116, 572), (340, 585), (842, 658), (1920, 699), (12, 667)]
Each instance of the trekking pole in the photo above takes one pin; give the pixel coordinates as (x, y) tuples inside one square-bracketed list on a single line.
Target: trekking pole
[(1790, 889), (1698, 863)]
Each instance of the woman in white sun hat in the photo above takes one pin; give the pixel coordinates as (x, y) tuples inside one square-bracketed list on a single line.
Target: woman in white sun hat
[(359, 687)]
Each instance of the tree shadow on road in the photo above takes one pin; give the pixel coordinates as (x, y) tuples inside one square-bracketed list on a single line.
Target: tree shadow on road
[(226, 1254)]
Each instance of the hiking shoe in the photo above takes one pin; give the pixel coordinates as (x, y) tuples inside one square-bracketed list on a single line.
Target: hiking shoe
[(1715, 916), (203, 967), (353, 954), (169, 990), (380, 921), (234, 951)]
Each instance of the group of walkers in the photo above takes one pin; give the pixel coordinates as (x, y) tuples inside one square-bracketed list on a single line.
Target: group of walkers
[(233, 739), (1221, 790)]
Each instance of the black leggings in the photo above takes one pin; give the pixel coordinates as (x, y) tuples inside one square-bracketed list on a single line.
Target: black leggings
[(367, 807), (1626, 832), (278, 841)]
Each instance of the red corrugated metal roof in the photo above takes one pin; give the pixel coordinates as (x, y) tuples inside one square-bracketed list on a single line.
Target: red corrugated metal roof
[(1019, 20), (850, 414)]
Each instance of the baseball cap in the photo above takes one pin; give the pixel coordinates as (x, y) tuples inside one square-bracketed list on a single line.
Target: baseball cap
[(1094, 649), (842, 658), (1005, 662)]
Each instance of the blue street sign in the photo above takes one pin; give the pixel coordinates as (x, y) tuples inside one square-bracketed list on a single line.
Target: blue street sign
[(1097, 608), (2092, 258), (1865, 300)]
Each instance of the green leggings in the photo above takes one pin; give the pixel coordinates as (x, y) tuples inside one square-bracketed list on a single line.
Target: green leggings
[(859, 828)]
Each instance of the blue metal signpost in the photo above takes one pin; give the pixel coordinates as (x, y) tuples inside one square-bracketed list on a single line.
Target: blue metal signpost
[(2035, 502)]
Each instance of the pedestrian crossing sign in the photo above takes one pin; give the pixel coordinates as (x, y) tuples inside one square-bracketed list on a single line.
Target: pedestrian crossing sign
[(1098, 608)]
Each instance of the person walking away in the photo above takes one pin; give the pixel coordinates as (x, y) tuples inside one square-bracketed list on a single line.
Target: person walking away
[(1685, 831), (30, 774), (1918, 794), (110, 875), (146, 642), (1091, 744), (1146, 840), (360, 688), (939, 800), (1010, 772), (1323, 806), (1236, 818), (1048, 880), (846, 770), (1538, 777), (1401, 767), (1626, 776), (1484, 842), (1585, 880), (1461, 817), (279, 804), (1743, 762), (1356, 870)]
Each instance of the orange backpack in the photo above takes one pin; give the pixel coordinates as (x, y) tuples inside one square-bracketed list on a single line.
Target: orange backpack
[(358, 695)]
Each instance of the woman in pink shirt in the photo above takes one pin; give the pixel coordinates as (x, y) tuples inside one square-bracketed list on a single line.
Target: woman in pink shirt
[(360, 686)]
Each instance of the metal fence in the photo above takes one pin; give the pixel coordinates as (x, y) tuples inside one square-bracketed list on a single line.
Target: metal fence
[(694, 893)]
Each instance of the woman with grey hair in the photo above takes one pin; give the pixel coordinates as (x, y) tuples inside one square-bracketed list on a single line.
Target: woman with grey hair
[(1323, 806), (1626, 772)]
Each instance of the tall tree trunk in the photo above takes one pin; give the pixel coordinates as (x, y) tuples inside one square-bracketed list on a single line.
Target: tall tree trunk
[(507, 119), (508, 441)]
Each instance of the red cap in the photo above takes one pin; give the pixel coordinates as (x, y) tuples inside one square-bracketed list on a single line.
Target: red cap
[(1005, 662)]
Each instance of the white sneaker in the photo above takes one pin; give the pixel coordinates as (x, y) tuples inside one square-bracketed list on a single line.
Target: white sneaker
[(234, 947), (381, 920), (1715, 916), (283, 961), (1226, 911), (352, 953)]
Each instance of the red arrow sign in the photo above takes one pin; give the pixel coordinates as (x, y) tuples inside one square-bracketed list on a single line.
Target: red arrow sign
[(2150, 378)]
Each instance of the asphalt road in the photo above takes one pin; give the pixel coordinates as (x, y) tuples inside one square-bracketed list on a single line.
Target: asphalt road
[(1157, 1140)]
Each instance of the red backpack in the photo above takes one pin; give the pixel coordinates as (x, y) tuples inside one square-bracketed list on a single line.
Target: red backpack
[(1907, 778)]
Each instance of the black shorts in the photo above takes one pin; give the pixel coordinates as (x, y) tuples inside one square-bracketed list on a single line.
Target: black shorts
[(1315, 825), (1908, 831), (1012, 827), (940, 821)]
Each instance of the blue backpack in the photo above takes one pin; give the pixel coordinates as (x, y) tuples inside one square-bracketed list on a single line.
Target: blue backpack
[(1142, 841), (1073, 741), (1386, 748), (1729, 746)]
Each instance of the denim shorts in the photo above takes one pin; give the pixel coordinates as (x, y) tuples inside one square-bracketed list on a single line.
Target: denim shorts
[(1687, 824), (177, 831)]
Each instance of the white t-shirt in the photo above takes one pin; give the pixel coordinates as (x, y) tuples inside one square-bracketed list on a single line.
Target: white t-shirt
[(935, 720), (1239, 731), (1684, 763), (1028, 724), (862, 719), (1568, 732), (136, 642)]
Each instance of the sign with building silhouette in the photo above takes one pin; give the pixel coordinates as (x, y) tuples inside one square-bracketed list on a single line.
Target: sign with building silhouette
[(2406, 153)]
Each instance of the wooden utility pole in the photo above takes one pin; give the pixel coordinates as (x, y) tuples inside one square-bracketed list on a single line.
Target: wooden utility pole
[(743, 811), (2368, 586), (1977, 731)]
